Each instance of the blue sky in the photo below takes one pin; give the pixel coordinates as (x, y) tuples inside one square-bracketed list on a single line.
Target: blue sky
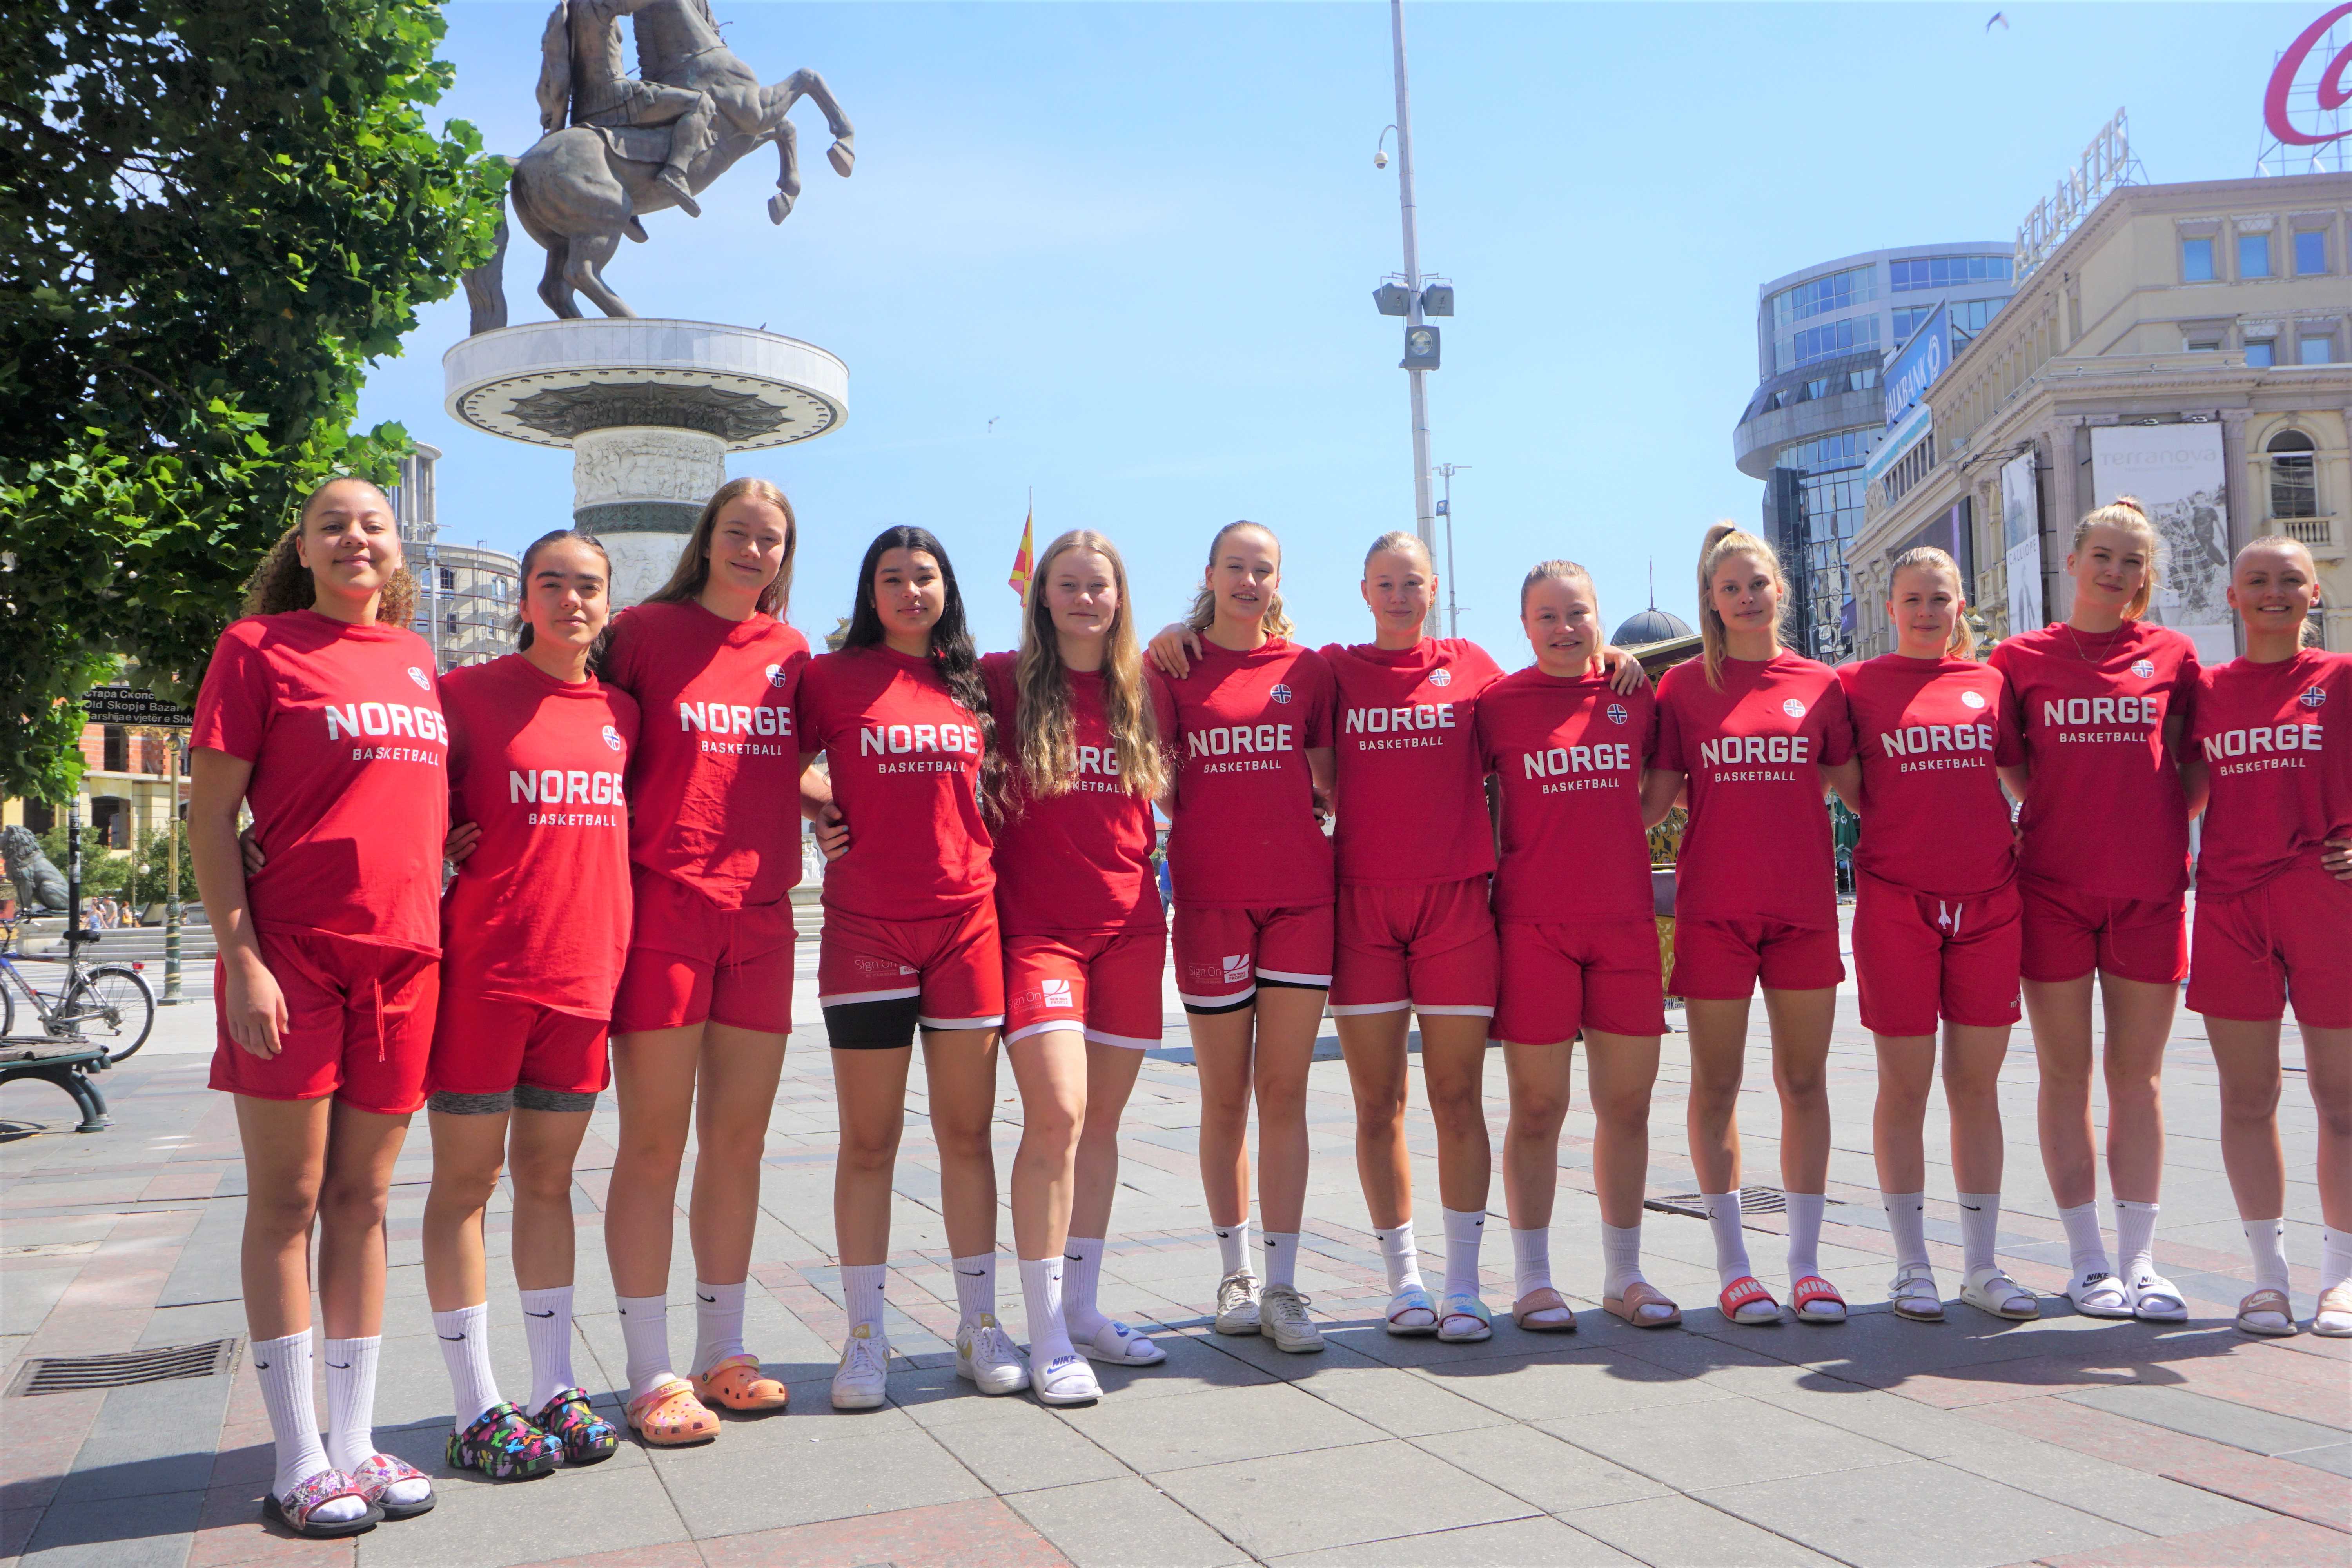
[(1142, 240)]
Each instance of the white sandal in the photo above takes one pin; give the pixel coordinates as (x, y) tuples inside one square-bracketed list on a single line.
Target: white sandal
[(2156, 1299), (1915, 1297), (1065, 1380), (1119, 1345), (2099, 1294), (2333, 1320), (1988, 1290), (1411, 1312)]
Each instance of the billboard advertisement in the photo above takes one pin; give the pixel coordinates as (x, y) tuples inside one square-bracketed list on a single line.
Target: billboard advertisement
[(1949, 531), (1915, 370), (2021, 534), (2177, 472)]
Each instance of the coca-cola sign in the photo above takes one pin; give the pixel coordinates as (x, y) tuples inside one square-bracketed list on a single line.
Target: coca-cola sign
[(2333, 90)]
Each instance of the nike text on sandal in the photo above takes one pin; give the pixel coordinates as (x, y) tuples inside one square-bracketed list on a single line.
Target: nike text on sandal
[(504, 1446), (295, 1509), (1066, 1380), (2156, 1299), (1463, 1320), (1282, 1318), (1988, 1290), (1410, 1312), (863, 1379), (736, 1382), (1915, 1297), (1116, 1344), (585, 1436), (987, 1358), (1645, 1306), (2268, 1313), (2099, 1294), (1544, 1311), (670, 1417), (379, 1473), (1817, 1300), (1744, 1301)]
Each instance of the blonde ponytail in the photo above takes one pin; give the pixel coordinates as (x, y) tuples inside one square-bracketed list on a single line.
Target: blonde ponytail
[(1722, 541), (1928, 558)]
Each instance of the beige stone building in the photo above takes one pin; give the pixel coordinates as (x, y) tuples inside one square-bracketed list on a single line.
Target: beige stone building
[(2190, 344)]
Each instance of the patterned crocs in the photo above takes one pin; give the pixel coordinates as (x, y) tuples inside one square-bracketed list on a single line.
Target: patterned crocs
[(504, 1446), (586, 1437)]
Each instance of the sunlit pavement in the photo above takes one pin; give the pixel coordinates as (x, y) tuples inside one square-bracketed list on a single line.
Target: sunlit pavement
[(2064, 1441)]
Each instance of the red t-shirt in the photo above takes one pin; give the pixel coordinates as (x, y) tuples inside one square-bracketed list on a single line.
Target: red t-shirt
[(1407, 751), (1568, 754), (904, 757), (539, 911), (2277, 744), (350, 789), (1930, 732), (1757, 845), (2104, 812), (1243, 832), (1080, 861), (714, 786)]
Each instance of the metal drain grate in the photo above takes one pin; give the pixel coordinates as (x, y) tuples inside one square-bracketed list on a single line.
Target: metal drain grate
[(1752, 1201), (74, 1373)]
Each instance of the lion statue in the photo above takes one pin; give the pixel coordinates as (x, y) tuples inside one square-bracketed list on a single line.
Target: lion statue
[(39, 884)]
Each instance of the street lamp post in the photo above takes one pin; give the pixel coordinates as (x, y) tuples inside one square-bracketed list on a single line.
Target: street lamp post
[(1446, 509), (1424, 520)]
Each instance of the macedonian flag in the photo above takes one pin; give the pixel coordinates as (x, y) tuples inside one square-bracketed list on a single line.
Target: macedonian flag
[(1025, 560)]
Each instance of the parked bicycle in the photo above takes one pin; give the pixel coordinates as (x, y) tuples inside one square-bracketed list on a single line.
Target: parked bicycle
[(107, 1005)]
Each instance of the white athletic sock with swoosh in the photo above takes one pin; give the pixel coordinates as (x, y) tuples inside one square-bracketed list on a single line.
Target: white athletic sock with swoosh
[(2266, 1243), (284, 1368), (1041, 1293), (861, 1293), (1531, 1260), (1464, 1229), (1906, 1216), (1281, 1249), (1979, 1229), (1730, 1241), (1081, 1279), (351, 1400), (547, 1326), (1401, 1258), (718, 1324), (466, 1352), (1232, 1247), (975, 1285), (644, 1335), (2087, 1249), (2135, 1238)]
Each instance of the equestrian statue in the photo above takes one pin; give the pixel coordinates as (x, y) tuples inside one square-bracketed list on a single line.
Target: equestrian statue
[(617, 147)]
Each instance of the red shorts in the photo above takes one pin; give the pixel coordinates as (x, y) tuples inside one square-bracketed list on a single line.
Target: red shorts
[(953, 965), (1917, 957), (495, 1045), (1562, 978), (1106, 986), (2068, 935), (1222, 953), (2291, 937), (359, 1023), (1431, 948), (690, 960), (1720, 961)]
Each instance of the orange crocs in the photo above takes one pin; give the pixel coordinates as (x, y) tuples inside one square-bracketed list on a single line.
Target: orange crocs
[(671, 1416), (736, 1383)]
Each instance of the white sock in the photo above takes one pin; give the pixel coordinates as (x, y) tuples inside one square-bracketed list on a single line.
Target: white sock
[(1621, 1255), (1730, 1243), (975, 1285), (1281, 1249), (718, 1324), (1233, 1248), (1464, 1228), (284, 1366), (1041, 1291), (1906, 1216), (2334, 1258), (1401, 1258), (2135, 1237), (1531, 1260), (1805, 1210), (1980, 1228), (1081, 1279), (2266, 1240), (351, 1401), (547, 1325), (2087, 1249), (466, 1350), (861, 1291), (645, 1333)]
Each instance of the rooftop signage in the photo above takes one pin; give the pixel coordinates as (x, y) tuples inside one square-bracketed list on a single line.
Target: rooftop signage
[(1923, 359), (2331, 91)]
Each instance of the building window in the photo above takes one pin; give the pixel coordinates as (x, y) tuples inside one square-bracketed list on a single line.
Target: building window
[(1948, 271), (2197, 260), (1817, 296), (1909, 319), (2318, 348), (2253, 256), (452, 624), (448, 580), (1811, 345), (1970, 316), (2310, 251), (115, 753), (2204, 345), (2295, 481), (109, 821), (2261, 354)]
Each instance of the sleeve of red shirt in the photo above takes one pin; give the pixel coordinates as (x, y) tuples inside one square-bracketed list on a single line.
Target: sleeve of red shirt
[(233, 705), (1837, 726), (1667, 756), (1484, 670), (808, 707), (628, 718), (620, 666), (2008, 731), (1322, 701), (1163, 709), (996, 671), (1650, 706)]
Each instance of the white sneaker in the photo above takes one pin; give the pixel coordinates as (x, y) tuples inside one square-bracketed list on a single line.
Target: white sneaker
[(986, 1355), (864, 1375), (1284, 1319), (1237, 1303), (1066, 1380)]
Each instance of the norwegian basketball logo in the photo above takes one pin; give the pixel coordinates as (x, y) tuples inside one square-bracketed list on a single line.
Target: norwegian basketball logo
[(2144, 668), (1441, 678), (776, 677), (612, 737), (1280, 693), (1793, 709), (423, 682), (1617, 714), (1972, 699), (2313, 697)]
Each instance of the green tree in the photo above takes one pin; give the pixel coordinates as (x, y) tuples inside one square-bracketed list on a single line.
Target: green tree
[(214, 213)]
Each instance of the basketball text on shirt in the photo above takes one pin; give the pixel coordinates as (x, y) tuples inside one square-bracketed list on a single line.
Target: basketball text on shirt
[(721, 718), (2261, 738), (1919, 740), (1243, 740), (417, 722)]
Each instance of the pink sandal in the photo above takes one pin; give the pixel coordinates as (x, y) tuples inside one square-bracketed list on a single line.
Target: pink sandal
[(1812, 1292), (1743, 1293), (295, 1508), (1640, 1294)]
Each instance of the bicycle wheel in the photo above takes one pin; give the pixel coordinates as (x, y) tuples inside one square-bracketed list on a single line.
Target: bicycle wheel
[(112, 1006), (8, 1008)]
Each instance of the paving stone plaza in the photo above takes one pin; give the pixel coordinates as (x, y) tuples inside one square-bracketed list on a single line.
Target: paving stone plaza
[(2065, 1441)]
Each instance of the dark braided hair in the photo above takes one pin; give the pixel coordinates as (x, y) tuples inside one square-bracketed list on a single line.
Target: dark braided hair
[(951, 651)]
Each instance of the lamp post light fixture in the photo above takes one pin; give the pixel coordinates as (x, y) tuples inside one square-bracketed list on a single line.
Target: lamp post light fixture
[(1446, 509), (1420, 340)]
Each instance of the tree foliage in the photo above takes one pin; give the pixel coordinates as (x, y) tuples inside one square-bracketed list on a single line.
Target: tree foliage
[(213, 215)]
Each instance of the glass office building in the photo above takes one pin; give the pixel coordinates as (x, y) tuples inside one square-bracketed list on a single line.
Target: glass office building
[(1823, 335)]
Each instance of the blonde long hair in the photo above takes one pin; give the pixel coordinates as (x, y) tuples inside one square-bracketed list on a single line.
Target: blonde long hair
[(1727, 539), (1204, 602), (1045, 738), (2126, 513), (692, 574), (283, 583), (1928, 558)]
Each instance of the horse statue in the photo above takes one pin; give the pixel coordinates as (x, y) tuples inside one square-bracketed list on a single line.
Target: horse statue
[(617, 147)]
